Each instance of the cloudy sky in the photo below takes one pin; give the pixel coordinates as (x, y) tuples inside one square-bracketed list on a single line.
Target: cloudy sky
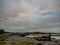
[(30, 15)]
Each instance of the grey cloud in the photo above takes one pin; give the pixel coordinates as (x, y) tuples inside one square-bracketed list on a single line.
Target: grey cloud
[(30, 15)]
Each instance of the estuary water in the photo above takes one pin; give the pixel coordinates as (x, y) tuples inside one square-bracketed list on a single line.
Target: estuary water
[(56, 37)]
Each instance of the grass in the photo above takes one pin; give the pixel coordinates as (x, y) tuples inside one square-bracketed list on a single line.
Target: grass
[(2, 43), (3, 36), (25, 42)]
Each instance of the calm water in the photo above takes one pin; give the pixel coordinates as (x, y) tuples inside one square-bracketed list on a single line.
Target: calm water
[(56, 37)]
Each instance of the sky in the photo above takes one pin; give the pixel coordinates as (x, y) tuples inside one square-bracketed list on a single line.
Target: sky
[(30, 15)]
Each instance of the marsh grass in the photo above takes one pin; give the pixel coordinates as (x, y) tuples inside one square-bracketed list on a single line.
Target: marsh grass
[(25, 42), (2, 43)]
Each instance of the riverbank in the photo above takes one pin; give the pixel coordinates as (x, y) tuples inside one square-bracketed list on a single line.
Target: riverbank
[(32, 38)]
